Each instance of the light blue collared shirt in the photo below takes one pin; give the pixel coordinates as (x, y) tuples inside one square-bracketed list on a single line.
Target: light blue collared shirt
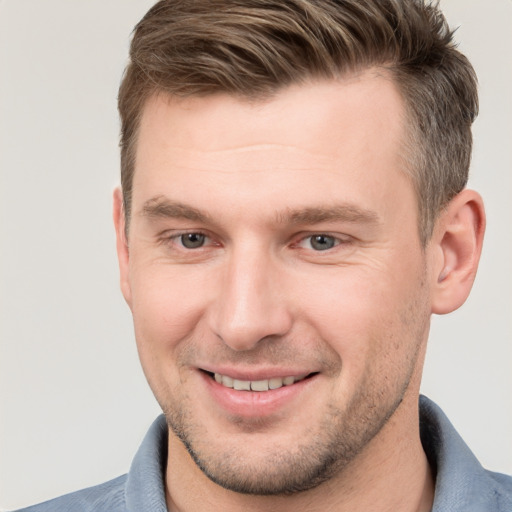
[(462, 485)]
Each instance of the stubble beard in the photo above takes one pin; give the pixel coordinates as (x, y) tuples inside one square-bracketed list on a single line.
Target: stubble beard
[(326, 448), (335, 442)]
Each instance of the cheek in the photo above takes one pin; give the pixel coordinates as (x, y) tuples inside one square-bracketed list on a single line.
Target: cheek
[(365, 315), (166, 313), (166, 307), (346, 301)]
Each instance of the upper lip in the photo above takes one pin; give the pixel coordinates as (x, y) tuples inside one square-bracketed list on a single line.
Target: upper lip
[(255, 374)]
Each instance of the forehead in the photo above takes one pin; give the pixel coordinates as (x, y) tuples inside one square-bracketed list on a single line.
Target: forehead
[(368, 95), (310, 135)]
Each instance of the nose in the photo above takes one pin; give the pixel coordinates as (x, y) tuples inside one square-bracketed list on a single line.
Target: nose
[(250, 303)]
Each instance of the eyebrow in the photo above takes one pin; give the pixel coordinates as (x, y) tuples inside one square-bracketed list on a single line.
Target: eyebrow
[(161, 207), (335, 213), (164, 208)]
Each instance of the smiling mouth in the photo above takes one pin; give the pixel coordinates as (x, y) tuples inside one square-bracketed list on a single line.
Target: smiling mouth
[(257, 385)]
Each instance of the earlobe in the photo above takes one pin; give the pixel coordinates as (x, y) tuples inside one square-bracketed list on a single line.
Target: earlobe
[(123, 254), (458, 239)]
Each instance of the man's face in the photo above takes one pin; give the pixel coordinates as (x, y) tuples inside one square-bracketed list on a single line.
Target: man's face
[(277, 283)]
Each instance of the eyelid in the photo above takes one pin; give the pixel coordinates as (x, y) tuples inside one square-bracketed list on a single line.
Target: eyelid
[(340, 239), (171, 236)]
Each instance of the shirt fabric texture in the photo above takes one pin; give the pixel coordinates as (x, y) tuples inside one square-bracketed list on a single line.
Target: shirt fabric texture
[(462, 484)]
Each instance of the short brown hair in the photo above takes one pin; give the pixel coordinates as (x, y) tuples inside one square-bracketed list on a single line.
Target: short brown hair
[(254, 48)]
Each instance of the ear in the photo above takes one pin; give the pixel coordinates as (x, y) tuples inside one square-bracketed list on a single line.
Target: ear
[(457, 244), (123, 253)]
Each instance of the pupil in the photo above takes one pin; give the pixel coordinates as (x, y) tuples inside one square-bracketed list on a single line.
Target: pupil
[(192, 240), (322, 242)]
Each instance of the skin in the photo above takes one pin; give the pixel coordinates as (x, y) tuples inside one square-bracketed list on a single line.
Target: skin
[(257, 299)]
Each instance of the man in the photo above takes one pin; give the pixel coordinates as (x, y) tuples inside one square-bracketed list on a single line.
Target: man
[(293, 210)]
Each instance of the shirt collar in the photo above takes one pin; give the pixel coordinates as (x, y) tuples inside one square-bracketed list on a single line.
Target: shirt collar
[(461, 482), (145, 485)]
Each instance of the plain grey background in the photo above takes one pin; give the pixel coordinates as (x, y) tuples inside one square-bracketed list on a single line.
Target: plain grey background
[(74, 404)]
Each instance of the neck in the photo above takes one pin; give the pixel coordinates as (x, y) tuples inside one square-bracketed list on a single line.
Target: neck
[(392, 474)]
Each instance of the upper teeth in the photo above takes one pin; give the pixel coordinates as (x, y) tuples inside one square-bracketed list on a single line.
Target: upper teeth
[(256, 385)]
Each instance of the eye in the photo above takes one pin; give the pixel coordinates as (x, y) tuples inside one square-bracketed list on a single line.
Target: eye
[(319, 242), (322, 242), (192, 240)]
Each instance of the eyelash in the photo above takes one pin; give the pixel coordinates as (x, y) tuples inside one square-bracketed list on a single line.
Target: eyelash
[(177, 238), (316, 238)]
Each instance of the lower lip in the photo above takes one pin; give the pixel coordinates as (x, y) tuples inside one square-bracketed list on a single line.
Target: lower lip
[(254, 404)]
